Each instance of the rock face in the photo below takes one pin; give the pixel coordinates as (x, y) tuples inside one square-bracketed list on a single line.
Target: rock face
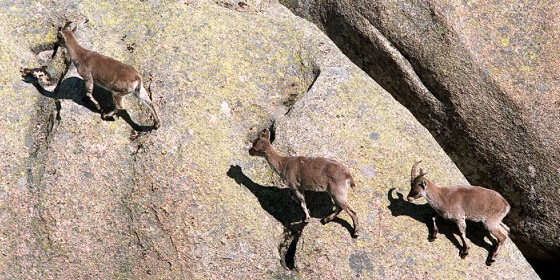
[(85, 198), (483, 77)]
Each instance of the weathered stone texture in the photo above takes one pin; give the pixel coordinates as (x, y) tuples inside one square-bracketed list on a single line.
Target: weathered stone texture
[(85, 198), (483, 77)]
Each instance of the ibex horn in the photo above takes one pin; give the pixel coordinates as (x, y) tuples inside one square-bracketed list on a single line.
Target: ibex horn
[(413, 171)]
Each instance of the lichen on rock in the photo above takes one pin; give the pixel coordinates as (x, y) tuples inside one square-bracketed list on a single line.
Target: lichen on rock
[(103, 200)]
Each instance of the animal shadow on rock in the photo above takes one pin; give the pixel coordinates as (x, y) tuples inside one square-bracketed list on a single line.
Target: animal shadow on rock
[(423, 213), (278, 203), (74, 88)]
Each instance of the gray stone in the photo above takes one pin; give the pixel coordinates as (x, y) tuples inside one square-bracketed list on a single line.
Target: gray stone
[(186, 201)]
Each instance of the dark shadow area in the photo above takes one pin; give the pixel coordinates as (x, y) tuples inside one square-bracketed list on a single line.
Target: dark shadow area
[(423, 213), (544, 268), (74, 88), (278, 203)]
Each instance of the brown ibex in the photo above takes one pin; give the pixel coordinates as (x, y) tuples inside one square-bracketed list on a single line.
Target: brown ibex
[(309, 174), (460, 203), (115, 76)]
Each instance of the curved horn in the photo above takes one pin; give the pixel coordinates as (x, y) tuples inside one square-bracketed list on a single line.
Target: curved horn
[(413, 171)]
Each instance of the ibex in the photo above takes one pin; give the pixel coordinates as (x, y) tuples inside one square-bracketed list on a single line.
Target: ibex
[(106, 72), (309, 174), (460, 203)]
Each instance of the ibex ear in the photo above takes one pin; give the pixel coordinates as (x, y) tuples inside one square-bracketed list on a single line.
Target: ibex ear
[(265, 133)]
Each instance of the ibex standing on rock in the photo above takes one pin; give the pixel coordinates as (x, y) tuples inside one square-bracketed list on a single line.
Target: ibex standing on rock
[(460, 203), (309, 174), (108, 73)]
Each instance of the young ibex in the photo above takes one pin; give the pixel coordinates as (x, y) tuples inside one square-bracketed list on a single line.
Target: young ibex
[(309, 174), (108, 73), (460, 203)]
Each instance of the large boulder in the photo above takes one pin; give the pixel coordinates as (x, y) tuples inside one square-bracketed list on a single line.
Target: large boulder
[(483, 78), (81, 197)]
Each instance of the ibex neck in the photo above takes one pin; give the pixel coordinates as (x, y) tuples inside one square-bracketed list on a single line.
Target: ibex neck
[(434, 196), (274, 160), (74, 49)]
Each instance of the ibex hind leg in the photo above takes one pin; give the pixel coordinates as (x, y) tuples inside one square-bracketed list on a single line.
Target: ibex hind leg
[(142, 95), (354, 216), (342, 203), (500, 231), (89, 93), (329, 217), (118, 102)]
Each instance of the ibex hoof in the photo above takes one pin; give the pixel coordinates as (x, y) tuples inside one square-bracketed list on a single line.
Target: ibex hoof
[(463, 254), (157, 125), (355, 234), (108, 117), (432, 238), (86, 99), (325, 220), (108, 114), (306, 221), (490, 262)]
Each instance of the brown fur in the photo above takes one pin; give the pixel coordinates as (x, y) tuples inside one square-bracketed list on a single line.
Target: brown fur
[(460, 203), (106, 72), (309, 174)]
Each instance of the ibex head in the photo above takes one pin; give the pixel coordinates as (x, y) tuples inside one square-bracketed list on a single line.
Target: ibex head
[(261, 144), (65, 32), (418, 183)]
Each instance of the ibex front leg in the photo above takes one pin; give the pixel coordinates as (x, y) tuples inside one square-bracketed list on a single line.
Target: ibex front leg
[(301, 198), (434, 230), (89, 91), (462, 224)]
